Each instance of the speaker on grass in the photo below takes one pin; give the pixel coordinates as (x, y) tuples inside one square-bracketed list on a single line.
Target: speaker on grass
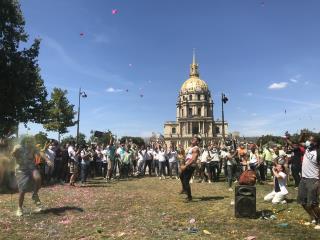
[(245, 201)]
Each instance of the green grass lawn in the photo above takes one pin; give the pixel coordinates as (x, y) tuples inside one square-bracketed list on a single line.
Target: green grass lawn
[(147, 209)]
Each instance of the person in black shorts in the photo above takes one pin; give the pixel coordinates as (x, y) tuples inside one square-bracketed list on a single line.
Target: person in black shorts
[(308, 192)]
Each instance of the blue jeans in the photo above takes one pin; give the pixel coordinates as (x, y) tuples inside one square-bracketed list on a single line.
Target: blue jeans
[(162, 167), (84, 172)]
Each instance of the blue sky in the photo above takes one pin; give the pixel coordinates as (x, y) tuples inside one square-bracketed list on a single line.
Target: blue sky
[(264, 55)]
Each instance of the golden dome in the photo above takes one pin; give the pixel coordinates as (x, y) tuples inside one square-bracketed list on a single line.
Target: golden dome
[(194, 84)]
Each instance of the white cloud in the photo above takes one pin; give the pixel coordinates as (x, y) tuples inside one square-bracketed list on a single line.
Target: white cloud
[(295, 78), (114, 90), (279, 85)]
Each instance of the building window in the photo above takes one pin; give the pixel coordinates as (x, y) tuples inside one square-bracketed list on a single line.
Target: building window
[(199, 111), (199, 96), (195, 130), (173, 130), (205, 98), (182, 113), (190, 111), (190, 97), (217, 130)]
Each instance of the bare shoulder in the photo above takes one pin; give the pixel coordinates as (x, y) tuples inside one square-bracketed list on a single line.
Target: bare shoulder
[(196, 149)]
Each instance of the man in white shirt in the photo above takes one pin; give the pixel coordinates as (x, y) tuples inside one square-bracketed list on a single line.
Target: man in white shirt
[(51, 155), (213, 163), (141, 160), (162, 155), (148, 162), (309, 186), (203, 163), (173, 162), (73, 164)]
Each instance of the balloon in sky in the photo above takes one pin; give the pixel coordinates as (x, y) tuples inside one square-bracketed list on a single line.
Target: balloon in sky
[(81, 34), (127, 90), (262, 4), (130, 64), (141, 95), (114, 11)]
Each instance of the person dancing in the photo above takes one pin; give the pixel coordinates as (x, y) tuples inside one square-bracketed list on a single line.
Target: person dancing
[(188, 168), (27, 174)]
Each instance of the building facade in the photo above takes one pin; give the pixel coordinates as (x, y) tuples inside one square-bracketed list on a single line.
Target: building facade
[(194, 113)]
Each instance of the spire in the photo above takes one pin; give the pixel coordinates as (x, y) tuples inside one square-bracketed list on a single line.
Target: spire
[(194, 66), (194, 56)]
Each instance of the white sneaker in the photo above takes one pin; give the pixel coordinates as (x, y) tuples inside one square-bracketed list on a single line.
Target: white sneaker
[(38, 208), (209, 181), (317, 227), (19, 212), (160, 178), (283, 202), (232, 202), (230, 190)]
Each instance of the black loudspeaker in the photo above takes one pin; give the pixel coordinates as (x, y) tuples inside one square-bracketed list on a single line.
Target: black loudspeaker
[(245, 201)]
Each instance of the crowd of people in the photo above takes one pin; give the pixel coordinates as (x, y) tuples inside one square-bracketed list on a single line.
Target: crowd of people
[(73, 164)]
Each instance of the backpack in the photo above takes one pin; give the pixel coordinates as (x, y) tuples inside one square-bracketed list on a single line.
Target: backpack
[(248, 177)]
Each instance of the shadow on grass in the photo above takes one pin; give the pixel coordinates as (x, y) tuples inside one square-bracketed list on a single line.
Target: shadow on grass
[(58, 211), (209, 198), (94, 186), (291, 200), (264, 213)]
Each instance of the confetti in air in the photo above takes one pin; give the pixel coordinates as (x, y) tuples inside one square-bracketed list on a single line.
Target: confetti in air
[(114, 11)]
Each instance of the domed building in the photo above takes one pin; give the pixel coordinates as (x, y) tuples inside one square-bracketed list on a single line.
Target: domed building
[(194, 113)]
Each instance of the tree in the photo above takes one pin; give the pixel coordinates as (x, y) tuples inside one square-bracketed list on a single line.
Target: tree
[(22, 91), (41, 138), (70, 138), (136, 140), (100, 137), (60, 113)]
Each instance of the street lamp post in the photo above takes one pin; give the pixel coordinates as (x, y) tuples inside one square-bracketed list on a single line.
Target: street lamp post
[(224, 100), (84, 95)]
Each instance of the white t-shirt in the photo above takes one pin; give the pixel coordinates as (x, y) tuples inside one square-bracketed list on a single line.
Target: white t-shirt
[(71, 152), (173, 156), (204, 156), (282, 183), (142, 155), (253, 159), (149, 154), (226, 155), (310, 165), (51, 155), (162, 156), (215, 155)]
